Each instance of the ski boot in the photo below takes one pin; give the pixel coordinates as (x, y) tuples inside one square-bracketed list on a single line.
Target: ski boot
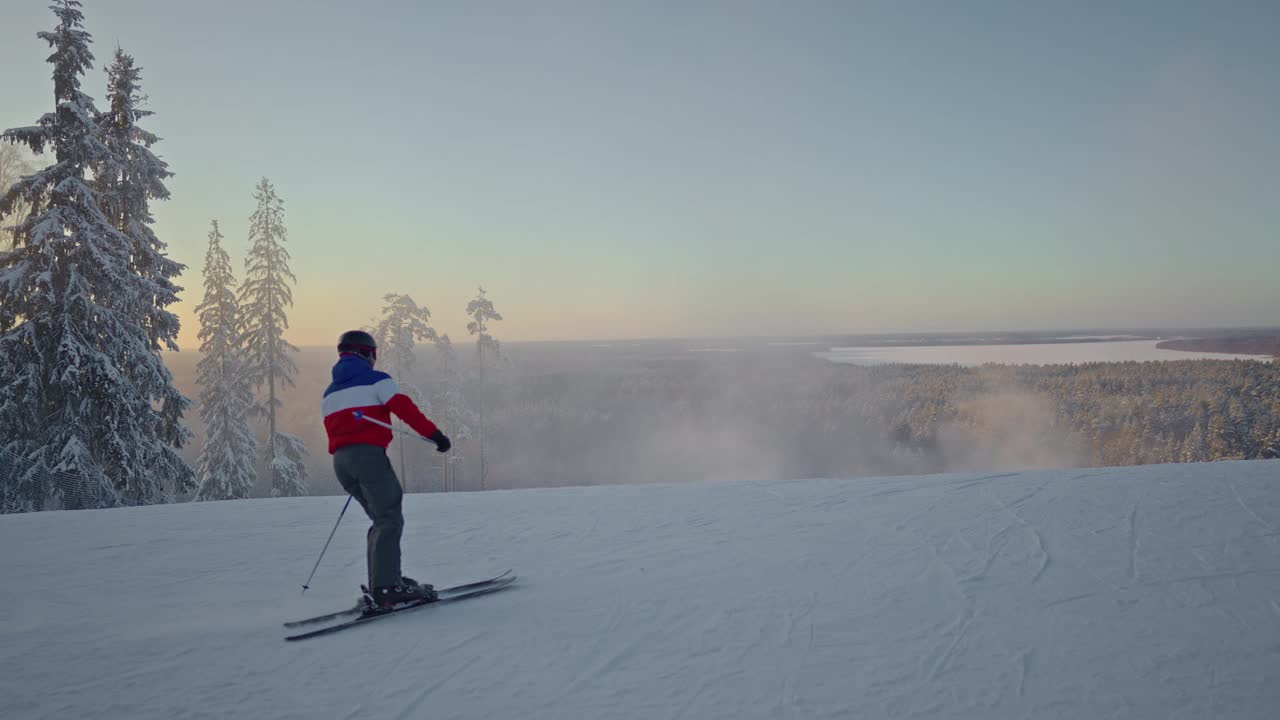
[(393, 597)]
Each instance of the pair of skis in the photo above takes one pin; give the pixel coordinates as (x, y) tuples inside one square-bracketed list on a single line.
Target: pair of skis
[(361, 614)]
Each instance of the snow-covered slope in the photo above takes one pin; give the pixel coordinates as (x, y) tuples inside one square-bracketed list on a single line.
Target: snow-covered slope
[(1129, 593)]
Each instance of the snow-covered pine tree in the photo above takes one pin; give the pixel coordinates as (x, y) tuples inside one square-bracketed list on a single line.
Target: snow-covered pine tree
[(265, 296), (226, 465), (84, 392), (403, 325), (481, 310)]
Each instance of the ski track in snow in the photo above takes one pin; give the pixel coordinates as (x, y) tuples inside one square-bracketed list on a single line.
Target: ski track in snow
[(1147, 592)]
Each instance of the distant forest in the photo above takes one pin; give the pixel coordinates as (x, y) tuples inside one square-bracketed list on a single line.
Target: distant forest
[(681, 419), (1127, 413), (582, 416)]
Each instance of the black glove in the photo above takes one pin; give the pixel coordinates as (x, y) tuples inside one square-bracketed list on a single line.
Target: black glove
[(441, 441)]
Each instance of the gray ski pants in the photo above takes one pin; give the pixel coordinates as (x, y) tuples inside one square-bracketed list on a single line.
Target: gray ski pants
[(366, 473)]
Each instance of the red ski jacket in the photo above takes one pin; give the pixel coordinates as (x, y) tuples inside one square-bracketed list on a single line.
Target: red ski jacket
[(357, 387)]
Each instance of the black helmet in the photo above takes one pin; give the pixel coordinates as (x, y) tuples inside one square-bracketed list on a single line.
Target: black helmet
[(359, 342)]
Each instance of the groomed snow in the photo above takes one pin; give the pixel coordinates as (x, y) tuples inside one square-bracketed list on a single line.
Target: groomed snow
[(1100, 593)]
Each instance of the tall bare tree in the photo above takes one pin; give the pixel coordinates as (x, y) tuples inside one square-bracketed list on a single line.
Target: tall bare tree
[(403, 325), (481, 310)]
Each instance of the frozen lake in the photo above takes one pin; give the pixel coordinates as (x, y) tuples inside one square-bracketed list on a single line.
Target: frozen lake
[(1033, 354)]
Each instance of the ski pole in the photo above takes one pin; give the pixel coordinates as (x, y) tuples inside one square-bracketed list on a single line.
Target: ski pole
[(361, 416), (307, 584)]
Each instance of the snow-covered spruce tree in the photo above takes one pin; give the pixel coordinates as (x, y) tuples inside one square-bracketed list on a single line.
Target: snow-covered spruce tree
[(127, 180), (264, 297), (288, 465), (402, 326), (480, 309), (226, 465), (83, 390)]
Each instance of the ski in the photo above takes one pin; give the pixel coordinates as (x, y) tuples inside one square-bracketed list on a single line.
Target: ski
[(360, 606), (446, 596)]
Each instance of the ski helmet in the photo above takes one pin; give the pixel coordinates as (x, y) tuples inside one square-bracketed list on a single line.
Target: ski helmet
[(360, 343)]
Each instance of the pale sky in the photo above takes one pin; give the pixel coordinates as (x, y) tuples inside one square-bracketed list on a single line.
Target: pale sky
[(641, 169)]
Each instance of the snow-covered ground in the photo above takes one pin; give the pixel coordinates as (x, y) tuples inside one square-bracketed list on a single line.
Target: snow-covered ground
[(1102, 593), (1026, 354)]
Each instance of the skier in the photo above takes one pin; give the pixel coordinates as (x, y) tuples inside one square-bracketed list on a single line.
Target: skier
[(359, 449)]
